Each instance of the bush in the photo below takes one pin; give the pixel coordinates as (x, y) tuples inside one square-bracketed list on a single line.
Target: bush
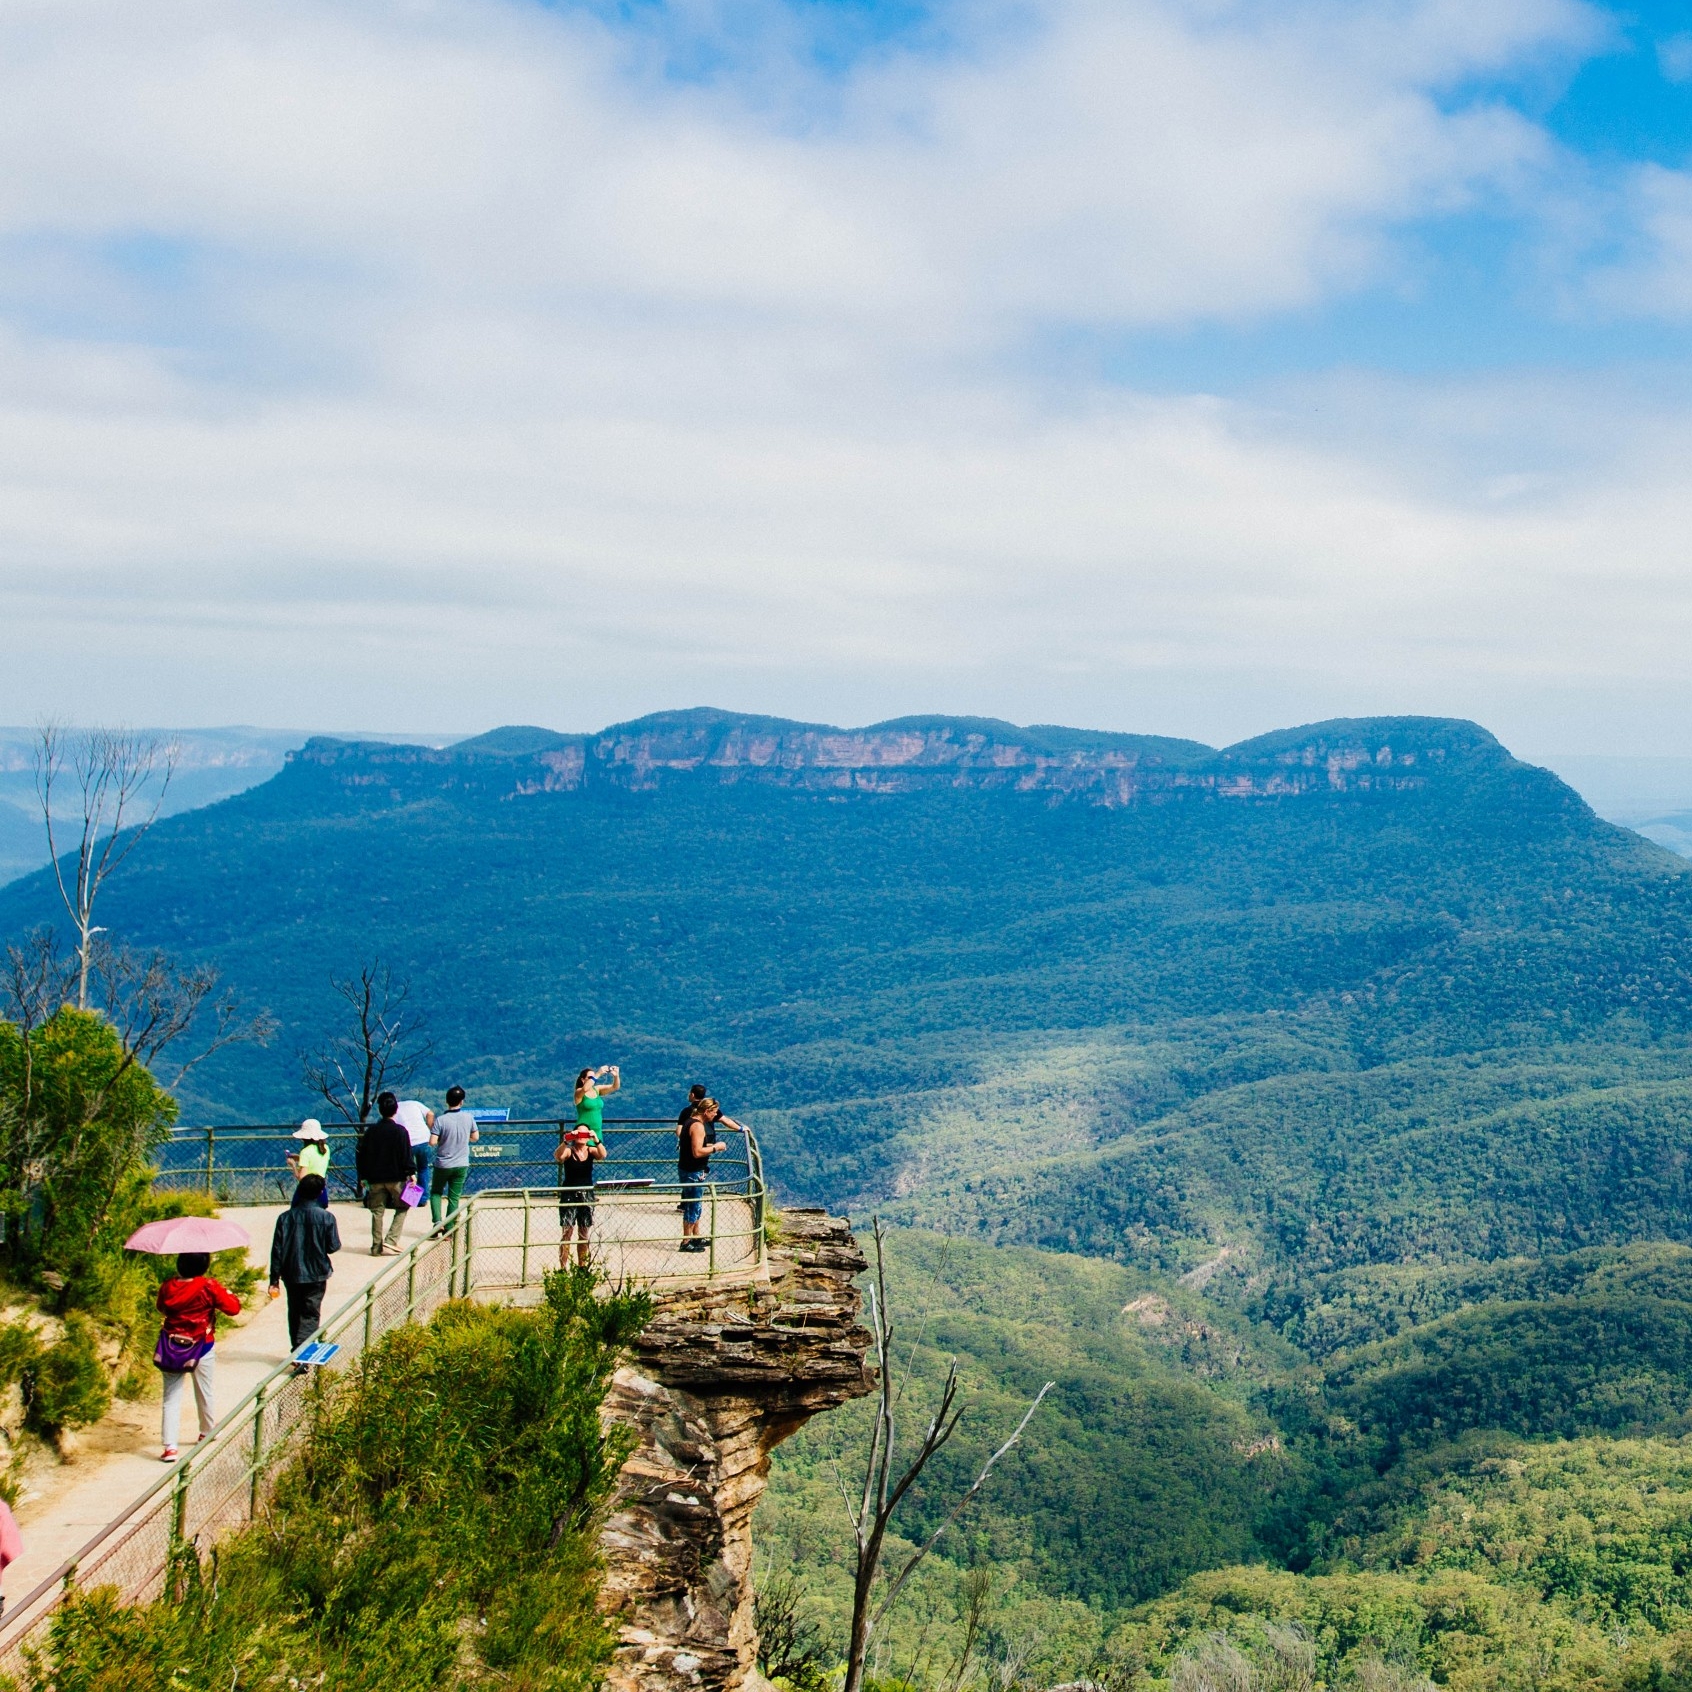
[(81, 1120), (66, 1384), (84, 1119)]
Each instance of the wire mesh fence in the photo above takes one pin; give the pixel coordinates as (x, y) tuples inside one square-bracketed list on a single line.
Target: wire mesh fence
[(246, 1163), (499, 1246)]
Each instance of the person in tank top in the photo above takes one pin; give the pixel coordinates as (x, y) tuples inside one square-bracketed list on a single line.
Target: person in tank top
[(694, 1146), (579, 1149)]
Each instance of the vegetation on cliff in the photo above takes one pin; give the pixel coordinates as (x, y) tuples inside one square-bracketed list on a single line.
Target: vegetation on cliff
[(436, 1528), (1410, 1507)]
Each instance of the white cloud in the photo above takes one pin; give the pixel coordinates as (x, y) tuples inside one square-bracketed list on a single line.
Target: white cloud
[(489, 339), (1653, 277), (1138, 162), (1674, 58)]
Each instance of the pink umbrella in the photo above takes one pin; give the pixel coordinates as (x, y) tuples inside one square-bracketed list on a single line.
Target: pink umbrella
[(176, 1234)]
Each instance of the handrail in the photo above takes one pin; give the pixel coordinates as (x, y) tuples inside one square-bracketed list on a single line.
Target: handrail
[(352, 1130), (245, 1161), (457, 1260)]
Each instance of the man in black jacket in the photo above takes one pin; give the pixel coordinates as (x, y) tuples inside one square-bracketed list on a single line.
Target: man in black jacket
[(385, 1165), (306, 1237)]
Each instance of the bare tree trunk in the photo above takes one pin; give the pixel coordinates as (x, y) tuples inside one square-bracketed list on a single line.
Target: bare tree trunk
[(881, 1495), (109, 771), (383, 1047)]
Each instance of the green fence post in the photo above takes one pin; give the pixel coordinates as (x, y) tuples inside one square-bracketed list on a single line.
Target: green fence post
[(411, 1284), (369, 1310), (258, 1453), (179, 1508), (711, 1253), (211, 1156), (528, 1212)]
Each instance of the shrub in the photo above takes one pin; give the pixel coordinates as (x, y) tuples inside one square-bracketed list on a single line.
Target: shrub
[(66, 1384), (84, 1119)]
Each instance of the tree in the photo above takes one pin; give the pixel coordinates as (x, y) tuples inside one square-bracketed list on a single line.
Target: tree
[(110, 771), (881, 1494), (80, 1110), (790, 1644), (81, 1119), (382, 1049), (149, 1000)]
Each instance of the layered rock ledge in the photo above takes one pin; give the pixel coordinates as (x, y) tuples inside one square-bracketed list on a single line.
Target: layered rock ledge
[(720, 1377)]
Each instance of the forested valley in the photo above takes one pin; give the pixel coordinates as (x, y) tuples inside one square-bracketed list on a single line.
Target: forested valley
[(1316, 1120)]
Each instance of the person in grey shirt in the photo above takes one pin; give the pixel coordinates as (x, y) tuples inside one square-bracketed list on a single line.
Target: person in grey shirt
[(451, 1139)]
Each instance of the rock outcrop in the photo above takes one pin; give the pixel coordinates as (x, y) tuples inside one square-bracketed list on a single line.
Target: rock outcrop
[(914, 754), (719, 1378)]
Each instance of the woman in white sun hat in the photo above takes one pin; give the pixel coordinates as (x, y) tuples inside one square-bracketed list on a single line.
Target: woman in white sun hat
[(313, 1157)]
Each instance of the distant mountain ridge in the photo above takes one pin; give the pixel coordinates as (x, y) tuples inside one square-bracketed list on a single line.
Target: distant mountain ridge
[(912, 754)]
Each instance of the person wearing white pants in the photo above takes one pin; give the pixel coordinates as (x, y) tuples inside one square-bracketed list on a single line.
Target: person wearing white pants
[(189, 1302), (204, 1377)]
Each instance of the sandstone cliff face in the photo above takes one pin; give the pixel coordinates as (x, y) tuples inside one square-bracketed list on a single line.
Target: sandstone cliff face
[(719, 1379), (918, 754)]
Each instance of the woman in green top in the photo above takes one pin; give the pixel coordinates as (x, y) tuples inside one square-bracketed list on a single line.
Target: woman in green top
[(313, 1157), (591, 1096), (579, 1149)]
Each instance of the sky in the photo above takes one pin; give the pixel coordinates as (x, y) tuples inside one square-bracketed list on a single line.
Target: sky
[(1194, 367)]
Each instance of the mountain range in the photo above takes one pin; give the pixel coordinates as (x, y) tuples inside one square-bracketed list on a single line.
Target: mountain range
[(1311, 1108)]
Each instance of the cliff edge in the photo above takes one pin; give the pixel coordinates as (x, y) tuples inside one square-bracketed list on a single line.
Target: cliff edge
[(719, 1378), (911, 755)]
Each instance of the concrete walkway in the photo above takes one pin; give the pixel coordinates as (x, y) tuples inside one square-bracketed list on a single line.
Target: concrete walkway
[(117, 1460)]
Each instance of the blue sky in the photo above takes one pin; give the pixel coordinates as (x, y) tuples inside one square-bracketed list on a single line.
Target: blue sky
[(1194, 366)]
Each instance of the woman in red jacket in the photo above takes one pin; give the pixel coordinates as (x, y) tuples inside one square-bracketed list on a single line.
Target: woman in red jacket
[(190, 1301)]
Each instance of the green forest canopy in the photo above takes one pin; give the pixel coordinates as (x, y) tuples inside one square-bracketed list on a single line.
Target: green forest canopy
[(1347, 1116)]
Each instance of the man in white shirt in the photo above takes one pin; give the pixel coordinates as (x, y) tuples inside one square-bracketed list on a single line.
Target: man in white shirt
[(418, 1121)]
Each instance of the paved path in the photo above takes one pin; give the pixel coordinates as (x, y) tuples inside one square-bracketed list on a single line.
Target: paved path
[(117, 1460)]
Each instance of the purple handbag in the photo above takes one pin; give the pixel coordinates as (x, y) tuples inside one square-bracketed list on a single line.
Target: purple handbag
[(178, 1356)]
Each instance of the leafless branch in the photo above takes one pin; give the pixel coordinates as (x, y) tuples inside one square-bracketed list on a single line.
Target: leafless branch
[(152, 1002), (107, 811), (881, 1493), (898, 1583), (35, 980), (978, 1589), (382, 1047)]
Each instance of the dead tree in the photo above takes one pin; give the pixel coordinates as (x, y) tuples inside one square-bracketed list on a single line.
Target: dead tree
[(149, 1001), (106, 811), (381, 1049), (881, 1494), (152, 1002)]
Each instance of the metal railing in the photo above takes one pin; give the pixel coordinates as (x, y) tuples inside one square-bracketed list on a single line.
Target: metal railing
[(498, 1246), (245, 1164)]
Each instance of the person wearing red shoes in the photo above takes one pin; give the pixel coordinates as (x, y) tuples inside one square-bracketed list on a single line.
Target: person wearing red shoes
[(189, 1302)]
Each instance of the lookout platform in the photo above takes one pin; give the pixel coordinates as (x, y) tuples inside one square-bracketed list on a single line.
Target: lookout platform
[(111, 1515)]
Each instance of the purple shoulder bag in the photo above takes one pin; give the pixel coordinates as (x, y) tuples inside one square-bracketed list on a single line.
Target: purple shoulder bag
[(178, 1356)]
